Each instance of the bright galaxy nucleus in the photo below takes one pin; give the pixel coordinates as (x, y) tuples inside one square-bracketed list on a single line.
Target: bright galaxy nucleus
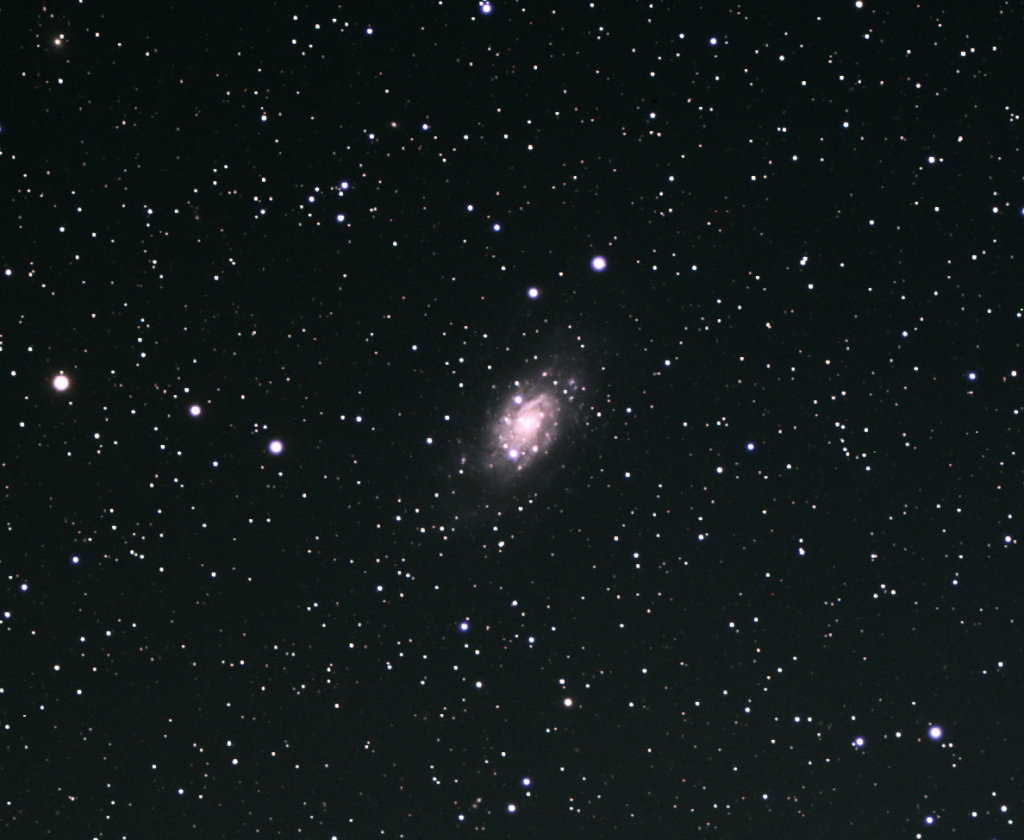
[(527, 426), (529, 431), (533, 416)]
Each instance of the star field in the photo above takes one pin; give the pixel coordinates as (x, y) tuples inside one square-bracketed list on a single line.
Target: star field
[(485, 419)]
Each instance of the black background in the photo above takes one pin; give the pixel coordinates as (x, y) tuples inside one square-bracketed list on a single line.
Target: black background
[(783, 518)]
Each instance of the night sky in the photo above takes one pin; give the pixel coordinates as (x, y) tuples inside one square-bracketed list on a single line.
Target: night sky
[(583, 421)]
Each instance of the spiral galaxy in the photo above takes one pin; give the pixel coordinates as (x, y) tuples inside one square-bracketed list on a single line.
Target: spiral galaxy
[(527, 426)]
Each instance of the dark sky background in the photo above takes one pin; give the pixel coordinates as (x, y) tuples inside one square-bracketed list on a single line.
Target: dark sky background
[(267, 571)]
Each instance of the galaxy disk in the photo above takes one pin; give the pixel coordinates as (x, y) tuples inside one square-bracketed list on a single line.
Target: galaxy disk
[(527, 426)]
